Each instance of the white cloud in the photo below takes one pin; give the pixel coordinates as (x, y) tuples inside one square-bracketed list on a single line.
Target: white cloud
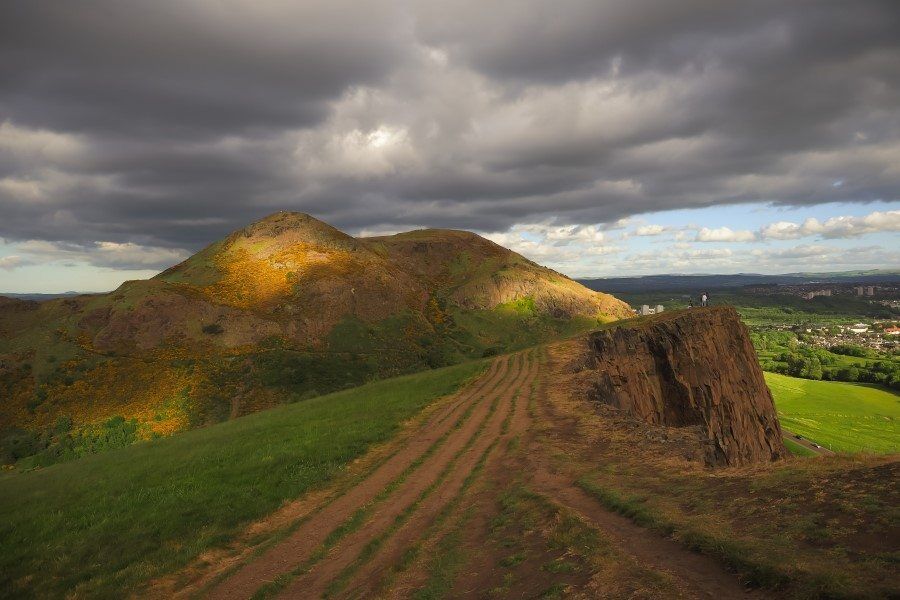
[(650, 230), (802, 251), (724, 234), (8, 263), (835, 227), (555, 245)]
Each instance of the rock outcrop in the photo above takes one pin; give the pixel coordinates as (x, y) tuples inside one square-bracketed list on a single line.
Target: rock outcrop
[(691, 368)]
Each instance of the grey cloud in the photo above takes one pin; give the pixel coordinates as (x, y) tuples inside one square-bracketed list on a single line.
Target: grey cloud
[(184, 69), (127, 256), (167, 124)]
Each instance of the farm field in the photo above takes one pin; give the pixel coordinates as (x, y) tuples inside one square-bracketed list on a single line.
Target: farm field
[(843, 417), (229, 474)]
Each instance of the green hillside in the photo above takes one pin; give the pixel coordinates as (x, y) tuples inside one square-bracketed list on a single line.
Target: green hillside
[(844, 417), (286, 308), (102, 525)]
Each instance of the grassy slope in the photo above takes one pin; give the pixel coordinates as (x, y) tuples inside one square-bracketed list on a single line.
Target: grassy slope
[(796, 449), (844, 417), (106, 523)]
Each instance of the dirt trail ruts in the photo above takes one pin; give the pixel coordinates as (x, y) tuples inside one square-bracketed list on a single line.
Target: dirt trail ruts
[(300, 545), (700, 576), (367, 580), (461, 451), (194, 578), (418, 487)]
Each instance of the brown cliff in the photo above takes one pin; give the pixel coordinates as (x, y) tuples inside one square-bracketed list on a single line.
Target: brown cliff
[(691, 368)]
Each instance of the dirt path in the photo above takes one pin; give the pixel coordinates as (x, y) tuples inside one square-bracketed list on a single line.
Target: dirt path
[(506, 423), (416, 496), (299, 545), (355, 544)]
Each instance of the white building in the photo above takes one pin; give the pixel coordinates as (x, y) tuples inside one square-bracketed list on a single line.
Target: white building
[(816, 294)]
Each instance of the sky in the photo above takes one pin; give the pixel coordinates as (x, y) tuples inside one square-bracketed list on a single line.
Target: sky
[(601, 138)]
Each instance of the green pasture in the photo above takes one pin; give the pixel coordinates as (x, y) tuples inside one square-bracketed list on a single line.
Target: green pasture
[(844, 417)]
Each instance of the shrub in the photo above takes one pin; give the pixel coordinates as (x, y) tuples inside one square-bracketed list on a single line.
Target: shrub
[(213, 329)]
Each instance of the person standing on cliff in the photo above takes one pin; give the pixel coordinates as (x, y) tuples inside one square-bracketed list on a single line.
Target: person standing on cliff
[(703, 299)]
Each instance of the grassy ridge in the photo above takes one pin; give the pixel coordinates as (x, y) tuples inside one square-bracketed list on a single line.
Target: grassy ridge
[(844, 417), (102, 525)]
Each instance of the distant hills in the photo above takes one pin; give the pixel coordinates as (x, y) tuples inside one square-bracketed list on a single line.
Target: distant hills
[(652, 283), (38, 297), (285, 308)]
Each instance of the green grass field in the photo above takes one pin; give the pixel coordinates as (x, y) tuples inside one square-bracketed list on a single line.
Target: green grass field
[(102, 525), (844, 417), (796, 449)]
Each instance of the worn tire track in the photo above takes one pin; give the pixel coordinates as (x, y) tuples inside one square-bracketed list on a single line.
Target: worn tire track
[(506, 423), (299, 546), (410, 578), (463, 445)]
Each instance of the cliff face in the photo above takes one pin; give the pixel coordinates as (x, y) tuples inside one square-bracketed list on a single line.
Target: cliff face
[(691, 368)]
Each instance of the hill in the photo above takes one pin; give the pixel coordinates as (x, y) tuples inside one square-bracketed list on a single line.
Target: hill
[(508, 487), (284, 309)]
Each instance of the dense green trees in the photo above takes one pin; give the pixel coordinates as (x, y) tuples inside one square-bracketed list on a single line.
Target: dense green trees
[(782, 352)]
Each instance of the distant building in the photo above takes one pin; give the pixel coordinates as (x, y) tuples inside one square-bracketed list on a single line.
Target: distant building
[(659, 308), (859, 328), (645, 310), (892, 330), (870, 290), (859, 290), (815, 294)]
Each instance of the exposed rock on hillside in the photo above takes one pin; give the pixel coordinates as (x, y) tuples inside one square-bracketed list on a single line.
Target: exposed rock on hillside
[(691, 368)]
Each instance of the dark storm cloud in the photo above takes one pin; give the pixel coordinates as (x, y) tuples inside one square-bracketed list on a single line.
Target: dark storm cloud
[(167, 124), (187, 69)]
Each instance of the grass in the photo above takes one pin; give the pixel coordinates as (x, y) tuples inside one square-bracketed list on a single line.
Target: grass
[(102, 525), (753, 571), (796, 449), (511, 327), (844, 417), (544, 550), (809, 528)]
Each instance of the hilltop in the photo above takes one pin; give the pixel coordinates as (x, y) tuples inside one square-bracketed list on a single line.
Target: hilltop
[(284, 309)]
